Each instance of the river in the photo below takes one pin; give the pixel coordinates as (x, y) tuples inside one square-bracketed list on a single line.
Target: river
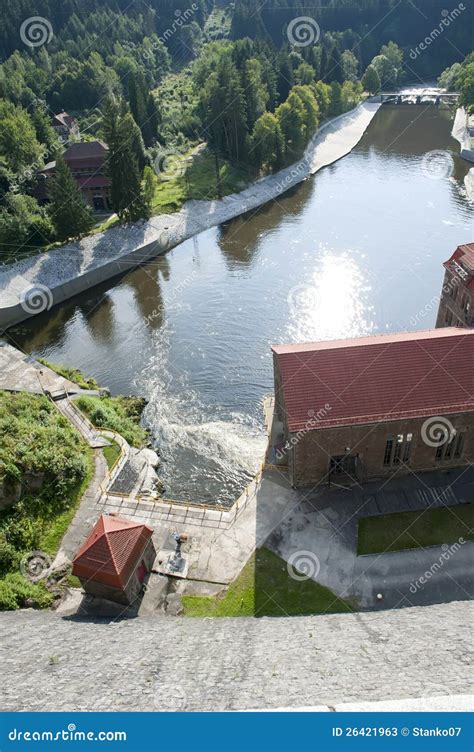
[(356, 249)]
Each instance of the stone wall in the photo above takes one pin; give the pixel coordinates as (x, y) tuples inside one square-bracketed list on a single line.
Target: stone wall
[(309, 457), (11, 491)]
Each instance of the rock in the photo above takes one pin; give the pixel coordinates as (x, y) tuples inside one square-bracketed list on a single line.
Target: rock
[(174, 607)]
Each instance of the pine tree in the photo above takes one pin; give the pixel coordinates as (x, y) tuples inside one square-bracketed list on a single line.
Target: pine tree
[(70, 215), (122, 163)]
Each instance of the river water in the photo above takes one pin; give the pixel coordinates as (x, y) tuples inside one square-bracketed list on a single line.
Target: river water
[(356, 249)]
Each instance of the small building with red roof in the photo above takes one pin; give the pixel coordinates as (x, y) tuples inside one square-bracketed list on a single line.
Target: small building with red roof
[(456, 305), (368, 407), (115, 559)]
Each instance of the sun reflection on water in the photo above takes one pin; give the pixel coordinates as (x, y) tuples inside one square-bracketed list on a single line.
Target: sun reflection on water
[(332, 303)]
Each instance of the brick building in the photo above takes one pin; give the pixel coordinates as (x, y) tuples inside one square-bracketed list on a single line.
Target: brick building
[(86, 160), (456, 306), (115, 559), (364, 408)]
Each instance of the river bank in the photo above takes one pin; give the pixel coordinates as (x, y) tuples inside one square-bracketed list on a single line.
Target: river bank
[(34, 285)]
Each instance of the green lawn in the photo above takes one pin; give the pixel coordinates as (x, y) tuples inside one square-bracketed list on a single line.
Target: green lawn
[(111, 453), (402, 530), (264, 588), (198, 182)]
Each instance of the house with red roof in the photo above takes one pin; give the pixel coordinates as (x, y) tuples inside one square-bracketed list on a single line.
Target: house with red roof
[(456, 305), (87, 162), (115, 559), (369, 407)]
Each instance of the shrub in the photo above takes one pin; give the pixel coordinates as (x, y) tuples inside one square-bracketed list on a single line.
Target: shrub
[(120, 414), (16, 591)]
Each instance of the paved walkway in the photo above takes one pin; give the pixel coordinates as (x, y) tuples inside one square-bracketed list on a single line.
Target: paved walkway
[(324, 523), (22, 373), (157, 663)]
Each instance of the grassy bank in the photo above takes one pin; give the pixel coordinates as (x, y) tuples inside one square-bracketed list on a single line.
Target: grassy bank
[(72, 374), (120, 414), (194, 176), (43, 457), (406, 530), (264, 588)]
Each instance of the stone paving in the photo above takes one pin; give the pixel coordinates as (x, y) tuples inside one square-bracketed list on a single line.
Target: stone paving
[(322, 524), (21, 373), (58, 664)]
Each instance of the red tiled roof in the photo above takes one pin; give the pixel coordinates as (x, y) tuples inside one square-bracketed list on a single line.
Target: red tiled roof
[(111, 552), (461, 263), (371, 379)]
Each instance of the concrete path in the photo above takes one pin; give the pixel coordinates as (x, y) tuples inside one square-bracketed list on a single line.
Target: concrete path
[(22, 373), (157, 663), (322, 526), (86, 515)]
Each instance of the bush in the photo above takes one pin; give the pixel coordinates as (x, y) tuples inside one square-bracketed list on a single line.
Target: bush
[(120, 414), (16, 591)]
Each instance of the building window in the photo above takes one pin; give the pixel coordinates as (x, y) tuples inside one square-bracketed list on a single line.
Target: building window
[(387, 459), (448, 319), (407, 449), (453, 447), (397, 455), (450, 446), (459, 445), (398, 450)]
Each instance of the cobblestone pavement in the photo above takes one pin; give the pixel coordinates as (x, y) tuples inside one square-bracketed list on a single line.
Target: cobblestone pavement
[(52, 663)]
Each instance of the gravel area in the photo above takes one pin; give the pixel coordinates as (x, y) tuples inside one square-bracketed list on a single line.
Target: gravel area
[(51, 663)]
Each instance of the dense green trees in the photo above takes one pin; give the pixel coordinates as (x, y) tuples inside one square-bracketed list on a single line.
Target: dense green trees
[(370, 80), (123, 162), (19, 145), (460, 77), (267, 144), (69, 213)]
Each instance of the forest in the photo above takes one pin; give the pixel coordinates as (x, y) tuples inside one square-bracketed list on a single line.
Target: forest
[(156, 82)]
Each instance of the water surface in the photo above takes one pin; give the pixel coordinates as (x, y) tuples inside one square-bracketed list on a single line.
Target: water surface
[(356, 249)]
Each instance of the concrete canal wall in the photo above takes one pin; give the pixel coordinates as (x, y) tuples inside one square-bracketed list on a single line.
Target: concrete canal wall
[(35, 284), (460, 133)]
